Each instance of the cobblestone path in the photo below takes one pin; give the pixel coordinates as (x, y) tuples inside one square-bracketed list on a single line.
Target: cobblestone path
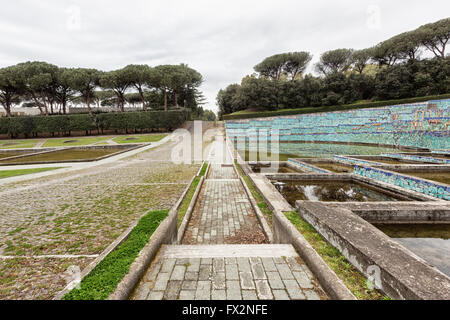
[(223, 213)]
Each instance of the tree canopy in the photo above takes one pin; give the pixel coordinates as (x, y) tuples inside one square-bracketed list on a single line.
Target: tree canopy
[(51, 89), (290, 64), (390, 69)]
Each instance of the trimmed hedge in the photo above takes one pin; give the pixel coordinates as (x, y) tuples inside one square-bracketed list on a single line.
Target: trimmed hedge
[(34, 125), (289, 112)]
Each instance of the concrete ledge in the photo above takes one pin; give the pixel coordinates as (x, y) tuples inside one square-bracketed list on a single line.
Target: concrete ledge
[(270, 194), (285, 232), (398, 212), (187, 217), (166, 233), (402, 275)]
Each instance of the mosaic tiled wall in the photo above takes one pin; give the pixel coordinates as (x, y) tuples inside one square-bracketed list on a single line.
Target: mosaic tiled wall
[(306, 166), (417, 158), (425, 125), (434, 189), (349, 160), (441, 151)]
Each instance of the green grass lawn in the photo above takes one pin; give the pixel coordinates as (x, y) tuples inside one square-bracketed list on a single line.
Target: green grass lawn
[(103, 280), (140, 138), (74, 141), (17, 144), (20, 172)]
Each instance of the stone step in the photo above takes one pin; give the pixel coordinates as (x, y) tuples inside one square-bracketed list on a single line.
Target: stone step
[(228, 251)]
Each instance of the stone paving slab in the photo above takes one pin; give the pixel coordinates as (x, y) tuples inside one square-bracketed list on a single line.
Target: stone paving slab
[(177, 275), (230, 251), (222, 171)]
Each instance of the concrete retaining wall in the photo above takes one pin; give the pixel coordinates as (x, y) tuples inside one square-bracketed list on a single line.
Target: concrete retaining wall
[(398, 212), (398, 272)]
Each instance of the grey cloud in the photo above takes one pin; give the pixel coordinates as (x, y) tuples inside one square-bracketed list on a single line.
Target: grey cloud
[(221, 39)]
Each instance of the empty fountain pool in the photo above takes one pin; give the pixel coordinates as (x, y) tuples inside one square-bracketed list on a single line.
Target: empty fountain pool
[(332, 190), (257, 168)]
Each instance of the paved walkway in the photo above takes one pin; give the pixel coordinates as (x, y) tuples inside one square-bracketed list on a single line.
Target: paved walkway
[(224, 253), (223, 213), (229, 272)]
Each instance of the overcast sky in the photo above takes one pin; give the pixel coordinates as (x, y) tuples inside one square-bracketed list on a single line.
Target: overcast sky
[(222, 39)]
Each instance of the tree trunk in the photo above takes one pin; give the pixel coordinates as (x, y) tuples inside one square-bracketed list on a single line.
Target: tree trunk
[(144, 107), (7, 109), (37, 103), (176, 99), (88, 102), (165, 99)]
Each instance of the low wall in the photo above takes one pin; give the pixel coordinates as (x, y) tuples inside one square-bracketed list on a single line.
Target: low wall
[(305, 166), (429, 188), (398, 212)]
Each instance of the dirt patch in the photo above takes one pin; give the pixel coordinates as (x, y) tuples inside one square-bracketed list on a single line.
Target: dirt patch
[(70, 141), (247, 235)]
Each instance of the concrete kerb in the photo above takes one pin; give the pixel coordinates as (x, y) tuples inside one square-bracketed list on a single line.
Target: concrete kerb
[(187, 217), (262, 220)]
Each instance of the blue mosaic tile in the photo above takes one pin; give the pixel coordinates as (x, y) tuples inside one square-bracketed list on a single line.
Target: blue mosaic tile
[(437, 190)]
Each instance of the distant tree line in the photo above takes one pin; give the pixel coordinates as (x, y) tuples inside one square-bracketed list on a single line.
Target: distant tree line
[(65, 125), (392, 69), (51, 88)]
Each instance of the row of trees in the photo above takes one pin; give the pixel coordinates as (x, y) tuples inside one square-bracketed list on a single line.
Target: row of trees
[(51, 88), (392, 69)]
